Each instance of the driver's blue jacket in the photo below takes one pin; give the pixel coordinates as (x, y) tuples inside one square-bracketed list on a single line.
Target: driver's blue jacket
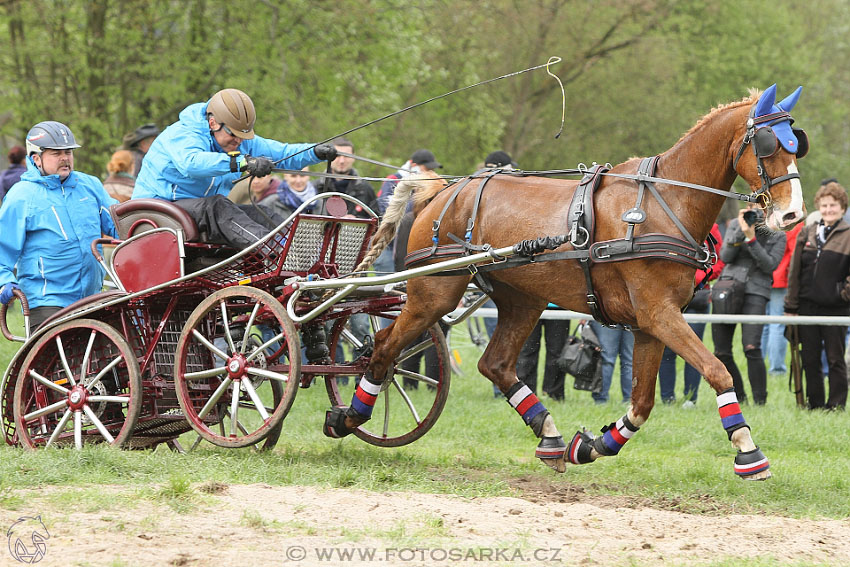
[(46, 230), (186, 162)]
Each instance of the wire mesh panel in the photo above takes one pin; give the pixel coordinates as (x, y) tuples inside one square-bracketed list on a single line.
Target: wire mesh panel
[(349, 245), (309, 242)]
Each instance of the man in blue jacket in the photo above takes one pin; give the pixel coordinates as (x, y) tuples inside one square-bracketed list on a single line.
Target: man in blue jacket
[(48, 221), (195, 161)]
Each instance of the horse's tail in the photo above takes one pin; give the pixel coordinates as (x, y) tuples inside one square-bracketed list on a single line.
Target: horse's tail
[(389, 225)]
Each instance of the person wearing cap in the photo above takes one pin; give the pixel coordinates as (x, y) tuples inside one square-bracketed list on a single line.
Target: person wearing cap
[(499, 160), (421, 162), (195, 161), (48, 224), (360, 189), (138, 142)]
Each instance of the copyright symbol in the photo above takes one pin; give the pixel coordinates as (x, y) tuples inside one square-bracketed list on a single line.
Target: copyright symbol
[(295, 553)]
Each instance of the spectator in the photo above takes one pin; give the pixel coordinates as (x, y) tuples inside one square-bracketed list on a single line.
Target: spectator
[(819, 284), (138, 142), (751, 256), (195, 161), (773, 335), (291, 194), (49, 223), (9, 177), (120, 182), (555, 332), (699, 304), (358, 188), (260, 188), (421, 162), (614, 343)]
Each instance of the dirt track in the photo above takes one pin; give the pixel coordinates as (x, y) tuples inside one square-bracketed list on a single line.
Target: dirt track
[(264, 525)]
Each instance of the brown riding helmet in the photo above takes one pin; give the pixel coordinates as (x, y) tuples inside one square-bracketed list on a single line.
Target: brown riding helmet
[(234, 109)]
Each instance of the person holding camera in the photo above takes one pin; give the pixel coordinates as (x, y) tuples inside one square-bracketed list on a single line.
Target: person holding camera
[(751, 253), (819, 284)]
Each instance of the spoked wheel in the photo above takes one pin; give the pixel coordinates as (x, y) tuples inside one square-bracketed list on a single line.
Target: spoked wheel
[(78, 385), (267, 444), (233, 392), (413, 397)]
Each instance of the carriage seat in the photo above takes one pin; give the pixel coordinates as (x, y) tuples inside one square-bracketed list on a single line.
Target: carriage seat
[(142, 215)]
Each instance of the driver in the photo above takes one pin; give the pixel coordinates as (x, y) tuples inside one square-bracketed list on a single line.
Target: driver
[(49, 220), (195, 161)]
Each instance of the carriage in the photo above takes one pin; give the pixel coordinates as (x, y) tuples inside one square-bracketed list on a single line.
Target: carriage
[(195, 336)]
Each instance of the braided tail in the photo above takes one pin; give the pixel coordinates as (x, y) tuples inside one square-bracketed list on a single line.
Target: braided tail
[(389, 225)]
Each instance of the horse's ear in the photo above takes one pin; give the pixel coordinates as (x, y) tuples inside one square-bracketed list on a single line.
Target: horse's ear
[(766, 100), (788, 102)]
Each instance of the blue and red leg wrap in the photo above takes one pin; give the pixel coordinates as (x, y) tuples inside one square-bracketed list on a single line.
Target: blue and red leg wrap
[(363, 400), (747, 463), (730, 412), (615, 436), (361, 407), (526, 404)]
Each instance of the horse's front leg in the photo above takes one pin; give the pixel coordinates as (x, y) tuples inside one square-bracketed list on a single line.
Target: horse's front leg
[(428, 300), (585, 447), (750, 462)]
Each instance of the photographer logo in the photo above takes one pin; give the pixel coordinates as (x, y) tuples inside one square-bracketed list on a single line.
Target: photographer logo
[(27, 540)]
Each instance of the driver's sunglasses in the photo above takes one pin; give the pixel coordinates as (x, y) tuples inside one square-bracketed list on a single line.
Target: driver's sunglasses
[(228, 130)]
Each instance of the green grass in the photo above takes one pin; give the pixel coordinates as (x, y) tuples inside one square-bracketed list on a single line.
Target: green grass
[(680, 460)]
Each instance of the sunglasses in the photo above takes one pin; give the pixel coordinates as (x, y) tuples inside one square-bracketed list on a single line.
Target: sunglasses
[(228, 130), (766, 143)]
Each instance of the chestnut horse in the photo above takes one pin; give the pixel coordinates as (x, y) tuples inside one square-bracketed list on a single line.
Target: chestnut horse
[(751, 138)]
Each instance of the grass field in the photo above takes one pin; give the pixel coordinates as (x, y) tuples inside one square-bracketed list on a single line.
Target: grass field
[(680, 460)]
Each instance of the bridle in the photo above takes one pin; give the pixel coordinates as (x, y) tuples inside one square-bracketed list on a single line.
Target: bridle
[(765, 144)]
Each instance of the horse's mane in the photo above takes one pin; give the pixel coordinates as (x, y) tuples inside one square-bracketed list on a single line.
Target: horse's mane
[(753, 95), (423, 189)]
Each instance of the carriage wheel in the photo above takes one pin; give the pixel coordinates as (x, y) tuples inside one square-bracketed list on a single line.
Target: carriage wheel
[(80, 384), (410, 401), (233, 393), (266, 444)]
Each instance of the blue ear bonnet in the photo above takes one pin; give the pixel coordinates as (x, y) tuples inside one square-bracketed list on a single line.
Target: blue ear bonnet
[(782, 128)]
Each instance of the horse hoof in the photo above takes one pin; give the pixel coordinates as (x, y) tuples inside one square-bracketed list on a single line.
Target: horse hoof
[(752, 465), (334, 426), (551, 450), (580, 448)]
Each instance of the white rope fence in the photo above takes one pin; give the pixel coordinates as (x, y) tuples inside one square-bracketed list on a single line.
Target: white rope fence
[(689, 317)]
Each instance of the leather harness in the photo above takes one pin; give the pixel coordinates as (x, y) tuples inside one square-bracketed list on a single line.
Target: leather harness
[(581, 224)]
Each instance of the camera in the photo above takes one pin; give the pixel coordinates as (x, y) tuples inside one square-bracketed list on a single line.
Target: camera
[(753, 216)]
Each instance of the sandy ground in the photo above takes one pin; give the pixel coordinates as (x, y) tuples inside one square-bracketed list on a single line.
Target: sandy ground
[(295, 525)]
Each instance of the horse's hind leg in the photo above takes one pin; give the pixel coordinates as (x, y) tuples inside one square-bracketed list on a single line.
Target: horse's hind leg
[(585, 447), (428, 300), (498, 363), (750, 462)]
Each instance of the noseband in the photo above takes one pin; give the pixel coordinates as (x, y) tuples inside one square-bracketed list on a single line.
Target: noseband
[(759, 141)]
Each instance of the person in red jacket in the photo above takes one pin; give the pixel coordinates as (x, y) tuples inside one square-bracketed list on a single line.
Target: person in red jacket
[(773, 335), (699, 304)]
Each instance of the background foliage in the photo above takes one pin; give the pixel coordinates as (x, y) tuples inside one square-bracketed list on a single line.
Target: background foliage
[(637, 73)]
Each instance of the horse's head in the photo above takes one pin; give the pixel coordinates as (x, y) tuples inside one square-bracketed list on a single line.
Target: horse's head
[(771, 167)]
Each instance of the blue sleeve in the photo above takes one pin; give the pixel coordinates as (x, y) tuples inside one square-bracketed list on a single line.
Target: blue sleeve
[(293, 156), (107, 225), (13, 227), (191, 156)]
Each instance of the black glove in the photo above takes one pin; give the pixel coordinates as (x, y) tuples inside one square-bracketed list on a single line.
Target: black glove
[(325, 152), (258, 166)]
